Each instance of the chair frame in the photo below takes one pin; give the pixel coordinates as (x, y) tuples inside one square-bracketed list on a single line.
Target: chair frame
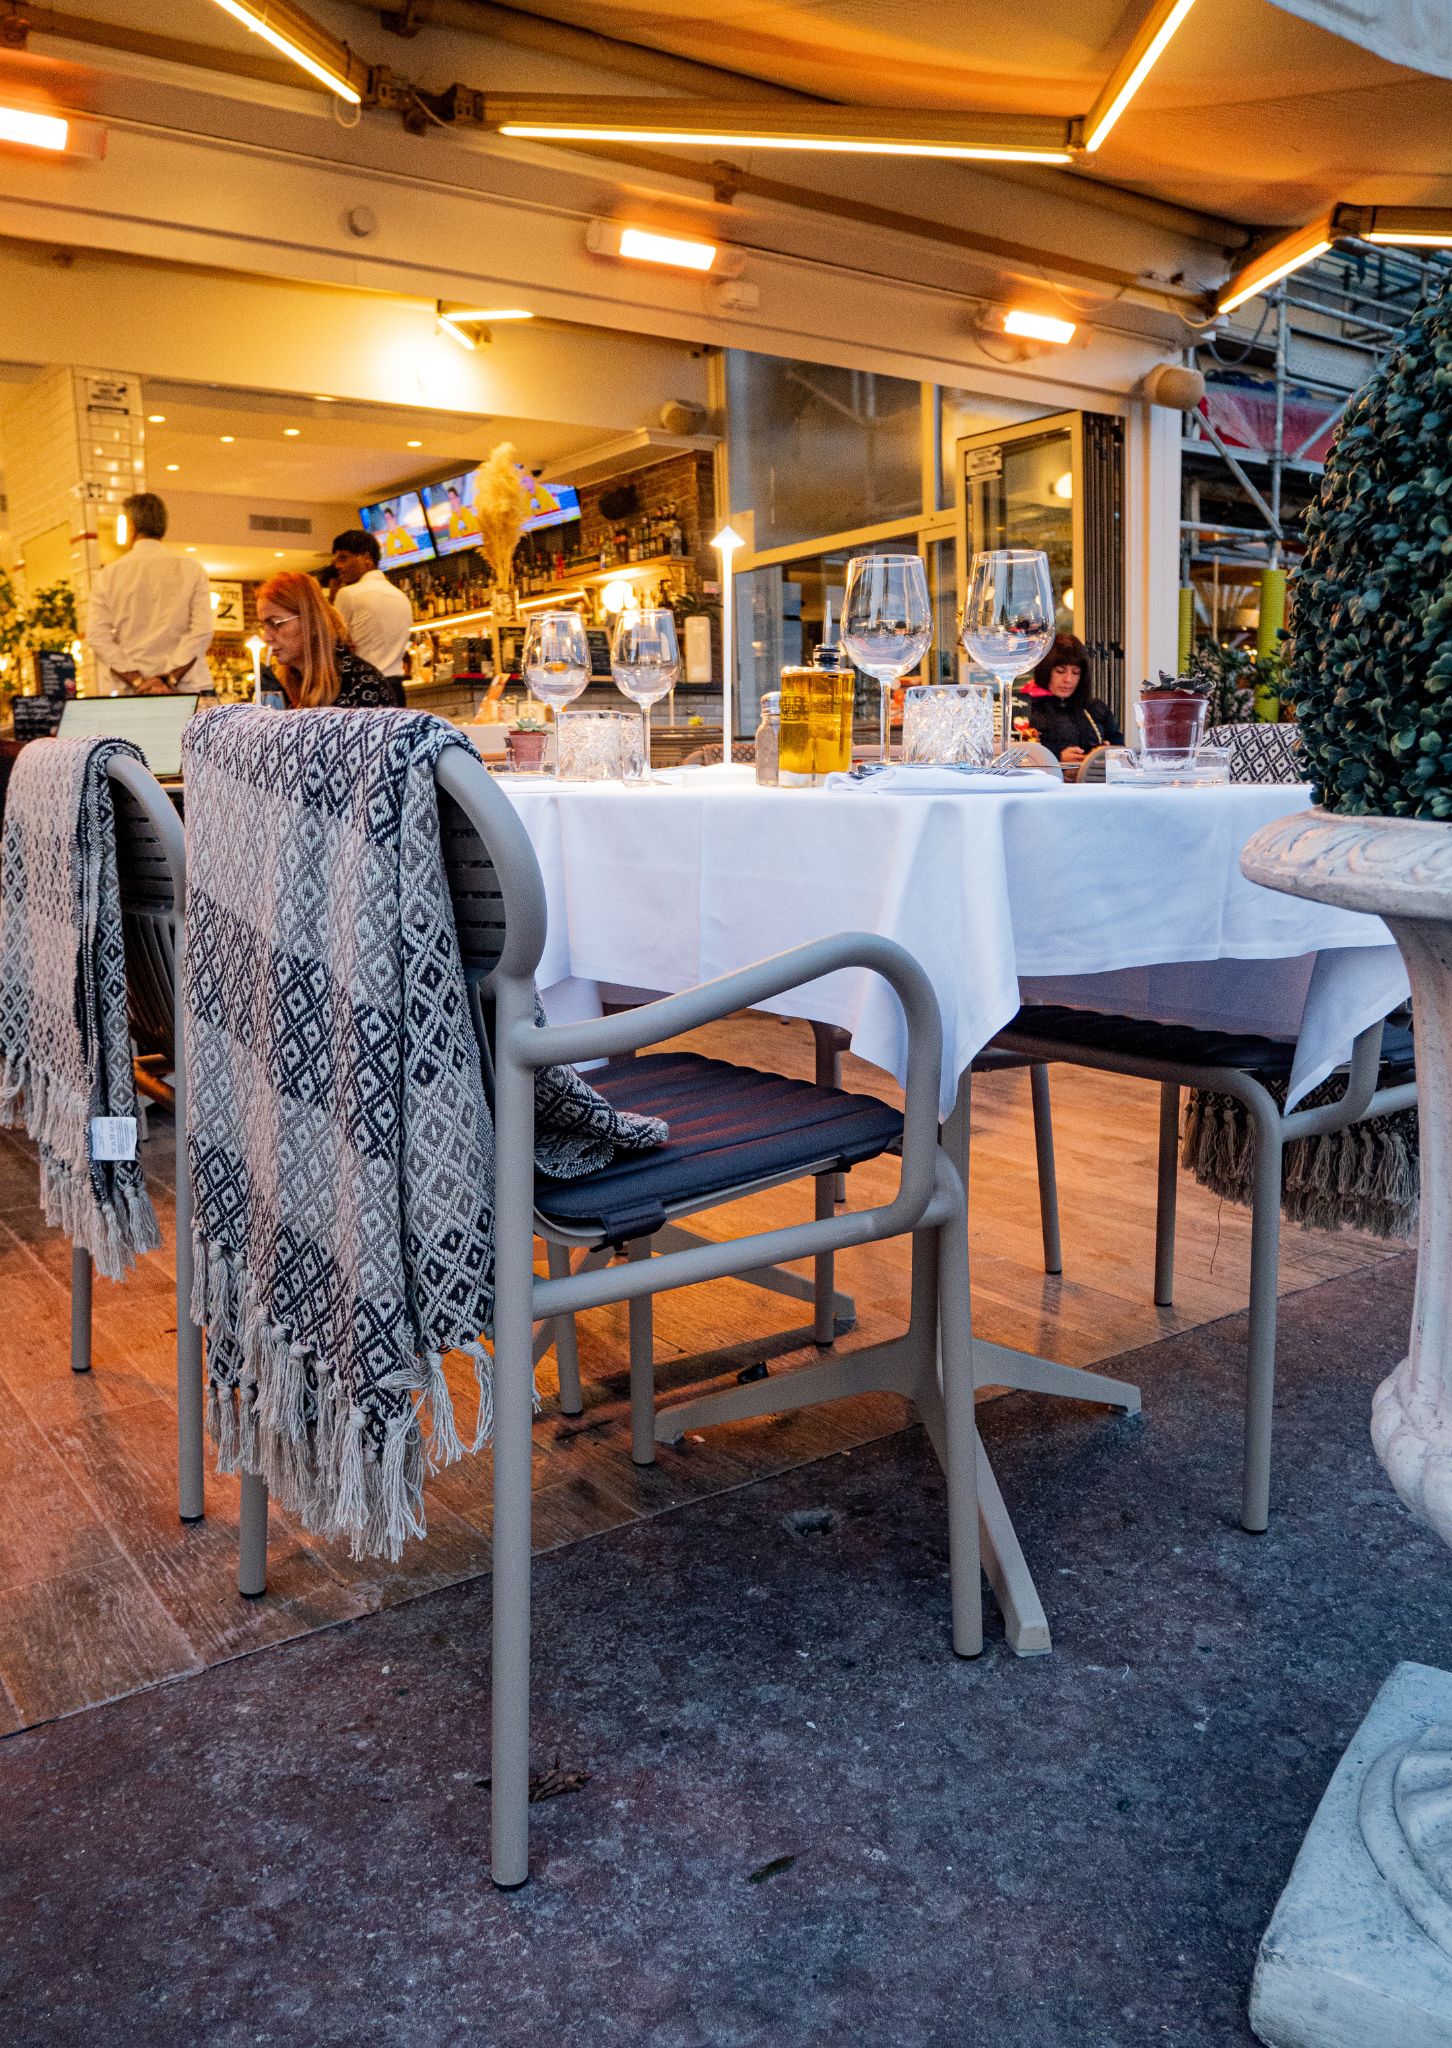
[(1274, 1128), (932, 1363), (152, 866)]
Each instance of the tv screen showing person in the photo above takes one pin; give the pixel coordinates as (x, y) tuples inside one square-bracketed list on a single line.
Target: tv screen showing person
[(400, 529), (452, 519)]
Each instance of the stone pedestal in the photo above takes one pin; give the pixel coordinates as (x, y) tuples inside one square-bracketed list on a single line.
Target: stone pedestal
[(1359, 1953)]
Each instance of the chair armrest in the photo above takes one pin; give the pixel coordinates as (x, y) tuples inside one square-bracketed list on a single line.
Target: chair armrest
[(1355, 1098), (535, 1045)]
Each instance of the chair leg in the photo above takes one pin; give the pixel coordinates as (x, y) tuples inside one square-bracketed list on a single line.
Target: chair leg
[(960, 1432), (1048, 1177), (1265, 1254), (513, 1475), (252, 1544), (824, 1282), (830, 1040), (642, 1367), (567, 1349), (81, 1276), (190, 1399), (1166, 1191)]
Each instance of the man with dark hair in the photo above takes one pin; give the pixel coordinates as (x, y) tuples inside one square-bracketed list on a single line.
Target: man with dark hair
[(376, 612), (150, 622)]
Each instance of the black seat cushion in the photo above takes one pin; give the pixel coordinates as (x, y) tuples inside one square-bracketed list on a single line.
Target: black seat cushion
[(729, 1126), (1185, 1045)]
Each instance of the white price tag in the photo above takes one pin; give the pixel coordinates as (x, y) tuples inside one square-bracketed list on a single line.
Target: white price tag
[(113, 1137)]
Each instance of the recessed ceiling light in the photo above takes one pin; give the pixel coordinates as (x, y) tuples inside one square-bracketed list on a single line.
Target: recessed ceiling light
[(415, 444), (324, 398), (229, 437), (191, 551), (172, 468), (291, 433), (277, 554), (156, 419)]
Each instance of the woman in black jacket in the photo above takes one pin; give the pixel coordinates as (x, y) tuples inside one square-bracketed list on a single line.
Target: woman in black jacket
[(1069, 721)]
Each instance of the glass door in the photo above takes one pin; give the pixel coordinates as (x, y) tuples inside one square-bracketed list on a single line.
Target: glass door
[(1021, 489)]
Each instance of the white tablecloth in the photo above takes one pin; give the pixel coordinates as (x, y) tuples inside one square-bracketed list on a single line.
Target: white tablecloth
[(999, 897)]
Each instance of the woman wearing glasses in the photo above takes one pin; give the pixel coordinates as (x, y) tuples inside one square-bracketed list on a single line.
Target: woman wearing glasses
[(309, 651)]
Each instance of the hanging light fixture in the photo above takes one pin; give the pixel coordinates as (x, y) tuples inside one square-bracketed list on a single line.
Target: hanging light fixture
[(1132, 70), (730, 124), (304, 42)]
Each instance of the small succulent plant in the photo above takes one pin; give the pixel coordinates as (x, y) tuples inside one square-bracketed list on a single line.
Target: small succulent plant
[(1370, 669)]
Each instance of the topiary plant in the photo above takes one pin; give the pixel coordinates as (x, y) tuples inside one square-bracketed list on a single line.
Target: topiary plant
[(1370, 670)]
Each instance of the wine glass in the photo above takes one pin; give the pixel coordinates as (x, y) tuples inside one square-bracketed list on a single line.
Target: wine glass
[(645, 660), (887, 621), (1008, 619), (556, 657)]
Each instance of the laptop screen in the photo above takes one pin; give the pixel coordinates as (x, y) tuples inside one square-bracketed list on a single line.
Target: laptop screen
[(153, 723)]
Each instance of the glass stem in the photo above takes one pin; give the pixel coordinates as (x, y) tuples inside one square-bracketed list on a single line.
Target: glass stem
[(1005, 712), (885, 718)]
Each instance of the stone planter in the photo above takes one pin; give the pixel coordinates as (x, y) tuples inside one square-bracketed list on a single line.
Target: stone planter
[(1359, 1952), (1399, 869)]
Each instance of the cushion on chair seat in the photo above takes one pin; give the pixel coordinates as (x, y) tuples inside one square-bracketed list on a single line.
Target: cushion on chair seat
[(729, 1126), (1186, 1045)]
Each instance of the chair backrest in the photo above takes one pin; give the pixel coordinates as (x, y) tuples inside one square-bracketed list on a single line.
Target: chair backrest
[(151, 865), (1093, 767), (1262, 753)]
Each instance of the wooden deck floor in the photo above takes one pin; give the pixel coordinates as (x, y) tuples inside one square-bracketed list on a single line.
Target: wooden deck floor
[(102, 1591)]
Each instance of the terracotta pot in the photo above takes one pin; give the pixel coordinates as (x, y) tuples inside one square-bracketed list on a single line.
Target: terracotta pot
[(1172, 719), (526, 750)]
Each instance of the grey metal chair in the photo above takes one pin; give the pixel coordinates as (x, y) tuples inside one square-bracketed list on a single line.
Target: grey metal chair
[(151, 864), (1378, 1080), (499, 905)]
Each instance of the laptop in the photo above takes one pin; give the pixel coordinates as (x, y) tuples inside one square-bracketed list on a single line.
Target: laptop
[(154, 724)]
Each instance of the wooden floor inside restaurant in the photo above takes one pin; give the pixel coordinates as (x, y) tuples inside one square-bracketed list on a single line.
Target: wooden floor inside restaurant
[(102, 1590)]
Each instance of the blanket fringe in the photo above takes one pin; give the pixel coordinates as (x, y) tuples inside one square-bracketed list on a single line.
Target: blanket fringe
[(1366, 1177), (289, 1420), (115, 1229)]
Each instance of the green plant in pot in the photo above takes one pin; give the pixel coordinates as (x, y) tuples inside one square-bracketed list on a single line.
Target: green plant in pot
[(1370, 673)]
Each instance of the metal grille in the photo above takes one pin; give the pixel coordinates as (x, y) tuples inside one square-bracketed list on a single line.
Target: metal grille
[(1102, 599)]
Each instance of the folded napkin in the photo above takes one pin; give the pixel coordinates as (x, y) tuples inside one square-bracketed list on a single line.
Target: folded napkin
[(65, 1048), (944, 781)]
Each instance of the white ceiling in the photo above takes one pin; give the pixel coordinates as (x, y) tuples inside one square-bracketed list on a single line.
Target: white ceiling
[(315, 451)]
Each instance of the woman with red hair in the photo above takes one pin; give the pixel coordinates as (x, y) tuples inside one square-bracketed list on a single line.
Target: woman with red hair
[(310, 653)]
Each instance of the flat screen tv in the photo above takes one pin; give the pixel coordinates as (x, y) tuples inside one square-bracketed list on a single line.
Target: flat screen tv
[(454, 523), (400, 529)]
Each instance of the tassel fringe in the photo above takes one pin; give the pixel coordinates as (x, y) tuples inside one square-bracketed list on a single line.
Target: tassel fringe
[(289, 1420), (115, 1227), (1366, 1177)]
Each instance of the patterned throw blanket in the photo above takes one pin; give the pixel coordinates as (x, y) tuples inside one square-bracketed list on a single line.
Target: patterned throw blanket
[(65, 1049), (341, 1146)]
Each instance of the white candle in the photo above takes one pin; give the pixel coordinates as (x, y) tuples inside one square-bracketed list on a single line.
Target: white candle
[(254, 648)]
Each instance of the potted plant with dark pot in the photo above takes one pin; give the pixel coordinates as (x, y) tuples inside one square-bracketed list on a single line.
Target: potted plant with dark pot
[(1361, 1943), (1172, 713)]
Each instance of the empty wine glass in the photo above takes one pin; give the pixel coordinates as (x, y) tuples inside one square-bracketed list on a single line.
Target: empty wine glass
[(556, 657), (1008, 619), (887, 621), (645, 660)]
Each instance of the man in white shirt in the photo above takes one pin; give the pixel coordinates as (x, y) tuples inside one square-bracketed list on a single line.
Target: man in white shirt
[(376, 612), (150, 622)]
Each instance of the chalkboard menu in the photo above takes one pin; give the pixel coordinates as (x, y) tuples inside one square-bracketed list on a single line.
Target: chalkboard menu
[(599, 641), (36, 718)]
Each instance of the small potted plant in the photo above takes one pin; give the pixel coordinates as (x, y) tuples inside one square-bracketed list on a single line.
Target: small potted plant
[(1172, 712), (525, 743)]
